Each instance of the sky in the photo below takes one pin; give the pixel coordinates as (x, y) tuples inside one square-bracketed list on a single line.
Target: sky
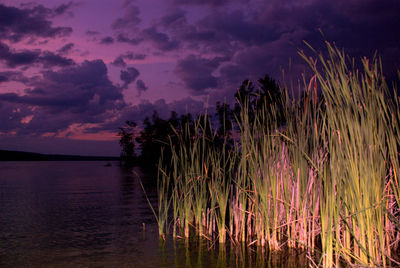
[(72, 72)]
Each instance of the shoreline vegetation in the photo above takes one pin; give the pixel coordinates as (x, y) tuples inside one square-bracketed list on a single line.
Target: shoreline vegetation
[(319, 173)]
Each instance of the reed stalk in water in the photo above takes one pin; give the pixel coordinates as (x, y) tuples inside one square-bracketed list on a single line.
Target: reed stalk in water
[(330, 175)]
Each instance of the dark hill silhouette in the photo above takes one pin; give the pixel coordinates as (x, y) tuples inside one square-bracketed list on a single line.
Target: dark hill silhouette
[(6, 155)]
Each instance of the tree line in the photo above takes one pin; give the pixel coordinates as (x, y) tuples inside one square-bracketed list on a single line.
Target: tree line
[(143, 146)]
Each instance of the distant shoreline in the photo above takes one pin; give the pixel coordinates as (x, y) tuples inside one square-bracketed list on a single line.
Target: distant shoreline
[(6, 155)]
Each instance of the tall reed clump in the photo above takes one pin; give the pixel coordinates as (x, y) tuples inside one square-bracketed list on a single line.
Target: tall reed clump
[(326, 181), (361, 134), (199, 177)]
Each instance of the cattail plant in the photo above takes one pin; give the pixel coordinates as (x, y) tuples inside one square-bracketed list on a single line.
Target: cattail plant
[(326, 181), (359, 137)]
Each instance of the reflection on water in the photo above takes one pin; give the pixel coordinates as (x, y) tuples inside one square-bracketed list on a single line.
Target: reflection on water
[(83, 214)]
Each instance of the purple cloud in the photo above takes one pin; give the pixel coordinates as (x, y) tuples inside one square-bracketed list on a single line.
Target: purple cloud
[(198, 36), (160, 40), (18, 23), (49, 59), (145, 108), (130, 19), (196, 73), (65, 49), (65, 8), (120, 60), (122, 38), (140, 86), (212, 3), (133, 56), (236, 26), (77, 94), (13, 59), (129, 23), (129, 76), (108, 40), (28, 57), (3, 78), (12, 76), (91, 33), (175, 19)]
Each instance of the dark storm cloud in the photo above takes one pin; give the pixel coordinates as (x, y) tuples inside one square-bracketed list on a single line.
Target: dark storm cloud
[(187, 105), (130, 19), (263, 38), (49, 59), (129, 76), (174, 19), (108, 40), (140, 86), (27, 57), (13, 59), (129, 23), (145, 108), (136, 113), (65, 49), (91, 33), (11, 116), (71, 87), (65, 8), (164, 109), (239, 28), (12, 76), (160, 40), (18, 23), (122, 38), (262, 59), (196, 73), (200, 36), (8, 76), (133, 56), (360, 27), (3, 78), (10, 97), (77, 94), (120, 62), (201, 2), (191, 35), (196, 36)]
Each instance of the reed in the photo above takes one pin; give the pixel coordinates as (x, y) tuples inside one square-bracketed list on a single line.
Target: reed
[(359, 137), (327, 181), (164, 200)]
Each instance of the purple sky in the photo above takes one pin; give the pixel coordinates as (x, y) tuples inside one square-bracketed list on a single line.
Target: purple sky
[(72, 72)]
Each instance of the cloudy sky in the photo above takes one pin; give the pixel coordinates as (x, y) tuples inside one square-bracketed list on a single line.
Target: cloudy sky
[(71, 72)]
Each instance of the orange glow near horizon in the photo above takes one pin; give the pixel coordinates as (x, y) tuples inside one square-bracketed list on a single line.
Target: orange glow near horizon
[(78, 132)]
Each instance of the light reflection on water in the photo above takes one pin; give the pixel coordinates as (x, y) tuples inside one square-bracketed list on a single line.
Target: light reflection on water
[(83, 214)]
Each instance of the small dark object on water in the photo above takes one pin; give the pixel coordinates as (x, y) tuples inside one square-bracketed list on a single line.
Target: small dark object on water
[(108, 165)]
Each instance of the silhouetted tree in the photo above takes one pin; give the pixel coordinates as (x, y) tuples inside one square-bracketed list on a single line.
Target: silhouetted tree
[(127, 142), (271, 98), (267, 98), (245, 96), (158, 133), (225, 124)]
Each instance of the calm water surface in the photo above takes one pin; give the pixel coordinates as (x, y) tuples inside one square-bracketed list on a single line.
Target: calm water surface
[(84, 214)]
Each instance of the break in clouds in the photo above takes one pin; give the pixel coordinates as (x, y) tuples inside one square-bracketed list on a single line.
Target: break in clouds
[(50, 79)]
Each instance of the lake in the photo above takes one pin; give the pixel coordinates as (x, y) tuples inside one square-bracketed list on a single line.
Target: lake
[(86, 214)]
